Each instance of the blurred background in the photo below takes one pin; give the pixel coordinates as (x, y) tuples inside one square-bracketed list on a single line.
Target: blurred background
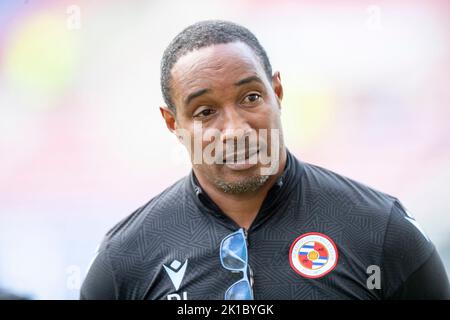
[(82, 142)]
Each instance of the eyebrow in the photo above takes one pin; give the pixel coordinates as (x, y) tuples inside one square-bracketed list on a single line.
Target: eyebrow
[(195, 94), (200, 92), (248, 80)]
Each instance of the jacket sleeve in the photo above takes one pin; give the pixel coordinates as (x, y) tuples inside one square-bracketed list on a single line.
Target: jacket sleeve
[(411, 267), (428, 282), (99, 283)]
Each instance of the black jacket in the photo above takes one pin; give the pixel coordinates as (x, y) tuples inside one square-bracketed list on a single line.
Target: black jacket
[(169, 248)]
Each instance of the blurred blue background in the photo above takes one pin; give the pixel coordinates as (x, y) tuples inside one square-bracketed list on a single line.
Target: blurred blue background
[(82, 142)]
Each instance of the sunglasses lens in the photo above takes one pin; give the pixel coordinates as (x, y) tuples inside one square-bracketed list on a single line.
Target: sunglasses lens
[(239, 291), (234, 252)]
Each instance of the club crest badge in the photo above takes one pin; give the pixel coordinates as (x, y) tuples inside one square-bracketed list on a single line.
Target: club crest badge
[(313, 255)]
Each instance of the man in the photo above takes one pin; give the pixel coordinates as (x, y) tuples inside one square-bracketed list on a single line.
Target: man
[(256, 222)]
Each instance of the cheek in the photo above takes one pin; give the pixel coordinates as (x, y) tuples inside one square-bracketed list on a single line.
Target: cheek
[(267, 118), (202, 140), (268, 125)]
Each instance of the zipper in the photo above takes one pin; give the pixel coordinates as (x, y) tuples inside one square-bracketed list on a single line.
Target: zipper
[(246, 237)]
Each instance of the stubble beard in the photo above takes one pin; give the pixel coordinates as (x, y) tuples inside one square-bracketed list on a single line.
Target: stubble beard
[(250, 184), (246, 185)]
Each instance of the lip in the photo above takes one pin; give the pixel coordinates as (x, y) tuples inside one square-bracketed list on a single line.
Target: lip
[(240, 166), (240, 155), (248, 163)]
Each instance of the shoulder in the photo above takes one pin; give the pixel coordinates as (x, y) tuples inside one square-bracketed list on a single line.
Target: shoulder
[(160, 207), (339, 190), (353, 199), (126, 256)]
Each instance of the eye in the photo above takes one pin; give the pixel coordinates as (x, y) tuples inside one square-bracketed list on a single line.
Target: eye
[(204, 113), (252, 98)]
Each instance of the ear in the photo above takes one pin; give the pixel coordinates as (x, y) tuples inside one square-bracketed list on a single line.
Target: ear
[(277, 87), (169, 118)]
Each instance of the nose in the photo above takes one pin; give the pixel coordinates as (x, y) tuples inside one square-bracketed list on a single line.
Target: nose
[(235, 126)]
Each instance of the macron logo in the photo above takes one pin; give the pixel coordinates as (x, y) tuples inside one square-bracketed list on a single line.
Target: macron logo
[(176, 272)]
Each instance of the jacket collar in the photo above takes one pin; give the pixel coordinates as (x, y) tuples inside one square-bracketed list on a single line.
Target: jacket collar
[(277, 195)]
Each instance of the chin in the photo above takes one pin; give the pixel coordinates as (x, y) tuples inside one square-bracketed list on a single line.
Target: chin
[(241, 183)]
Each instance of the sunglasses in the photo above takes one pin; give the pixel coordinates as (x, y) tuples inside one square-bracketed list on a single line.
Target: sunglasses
[(234, 257)]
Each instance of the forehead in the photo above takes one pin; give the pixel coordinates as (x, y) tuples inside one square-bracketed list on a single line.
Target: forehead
[(216, 65)]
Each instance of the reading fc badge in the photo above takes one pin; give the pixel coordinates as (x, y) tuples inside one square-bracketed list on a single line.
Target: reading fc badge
[(313, 255)]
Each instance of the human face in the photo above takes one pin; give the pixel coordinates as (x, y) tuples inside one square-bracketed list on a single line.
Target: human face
[(224, 88)]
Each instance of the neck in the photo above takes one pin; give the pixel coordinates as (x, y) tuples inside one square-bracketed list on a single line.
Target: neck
[(242, 208)]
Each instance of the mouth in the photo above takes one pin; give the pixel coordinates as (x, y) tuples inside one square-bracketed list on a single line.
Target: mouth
[(241, 156), (243, 160)]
